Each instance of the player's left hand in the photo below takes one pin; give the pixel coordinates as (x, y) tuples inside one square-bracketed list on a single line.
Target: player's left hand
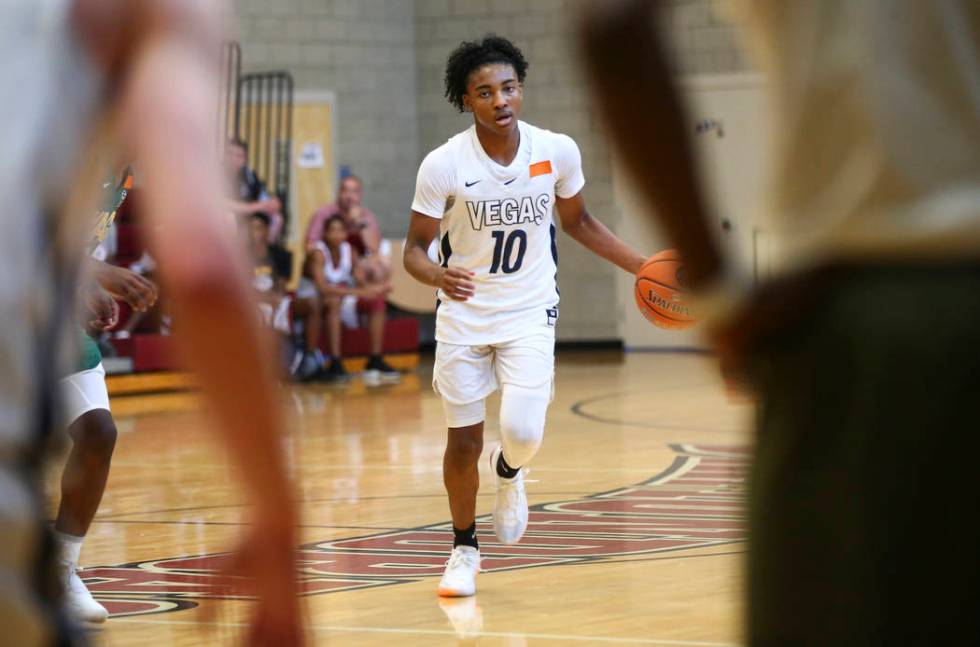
[(135, 290)]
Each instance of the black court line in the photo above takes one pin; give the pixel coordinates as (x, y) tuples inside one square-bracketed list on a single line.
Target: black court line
[(578, 409), (152, 522), (308, 501), (669, 557)]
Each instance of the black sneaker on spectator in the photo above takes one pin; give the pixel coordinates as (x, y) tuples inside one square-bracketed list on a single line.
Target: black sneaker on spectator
[(308, 369), (378, 372), (334, 372)]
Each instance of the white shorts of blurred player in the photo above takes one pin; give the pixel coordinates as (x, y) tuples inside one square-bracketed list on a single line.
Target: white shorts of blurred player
[(277, 317), (348, 304), (523, 369), (83, 392)]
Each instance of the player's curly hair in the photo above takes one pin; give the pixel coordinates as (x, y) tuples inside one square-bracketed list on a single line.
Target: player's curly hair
[(472, 55)]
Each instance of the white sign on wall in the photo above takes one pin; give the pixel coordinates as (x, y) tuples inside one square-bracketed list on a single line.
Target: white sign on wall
[(311, 155)]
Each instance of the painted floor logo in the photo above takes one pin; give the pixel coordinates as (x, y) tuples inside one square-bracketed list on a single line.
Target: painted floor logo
[(697, 502)]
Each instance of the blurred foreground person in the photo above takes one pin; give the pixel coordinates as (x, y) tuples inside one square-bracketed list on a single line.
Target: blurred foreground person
[(78, 77), (864, 348)]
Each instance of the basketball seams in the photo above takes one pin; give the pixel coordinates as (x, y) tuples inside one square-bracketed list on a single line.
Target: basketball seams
[(661, 284)]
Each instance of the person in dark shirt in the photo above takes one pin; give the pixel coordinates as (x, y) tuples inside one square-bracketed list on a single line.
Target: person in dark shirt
[(272, 266), (248, 193)]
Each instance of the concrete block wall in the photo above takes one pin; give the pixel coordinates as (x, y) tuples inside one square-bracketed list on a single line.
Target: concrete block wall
[(703, 38), (364, 51), (385, 60)]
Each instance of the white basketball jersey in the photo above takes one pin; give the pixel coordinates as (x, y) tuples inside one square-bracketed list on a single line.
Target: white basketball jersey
[(497, 222), (343, 271)]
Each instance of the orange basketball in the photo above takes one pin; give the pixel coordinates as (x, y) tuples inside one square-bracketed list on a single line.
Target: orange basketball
[(659, 291)]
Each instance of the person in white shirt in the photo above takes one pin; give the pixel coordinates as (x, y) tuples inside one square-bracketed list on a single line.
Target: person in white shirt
[(864, 347), (333, 273), (489, 194)]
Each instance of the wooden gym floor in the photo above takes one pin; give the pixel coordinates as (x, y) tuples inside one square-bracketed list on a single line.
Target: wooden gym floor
[(636, 533)]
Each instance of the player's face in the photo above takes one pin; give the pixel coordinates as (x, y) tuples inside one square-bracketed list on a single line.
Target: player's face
[(494, 96), (349, 194), (336, 233)]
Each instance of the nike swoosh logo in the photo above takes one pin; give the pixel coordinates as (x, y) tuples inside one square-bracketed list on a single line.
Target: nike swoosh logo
[(469, 184), (509, 181)]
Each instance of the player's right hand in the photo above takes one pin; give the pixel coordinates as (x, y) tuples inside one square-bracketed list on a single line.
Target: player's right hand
[(100, 310), (455, 283)]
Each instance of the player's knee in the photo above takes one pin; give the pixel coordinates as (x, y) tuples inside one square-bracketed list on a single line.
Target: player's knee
[(521, 439), (465, 444), (97, 433), (522, 417), (331, 303)]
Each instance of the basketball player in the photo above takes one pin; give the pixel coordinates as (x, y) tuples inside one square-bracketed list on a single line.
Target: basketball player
[(75, 76), (90, 424), (864, 348), (489, 194)]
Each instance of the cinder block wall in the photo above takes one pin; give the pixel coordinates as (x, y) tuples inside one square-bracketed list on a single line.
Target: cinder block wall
[(364, 51), (385, 60)]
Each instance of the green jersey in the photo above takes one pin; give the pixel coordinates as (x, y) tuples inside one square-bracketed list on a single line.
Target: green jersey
[(113, 195)]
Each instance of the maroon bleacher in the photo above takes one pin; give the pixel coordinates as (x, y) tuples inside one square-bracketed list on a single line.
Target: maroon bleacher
[(155, 352)]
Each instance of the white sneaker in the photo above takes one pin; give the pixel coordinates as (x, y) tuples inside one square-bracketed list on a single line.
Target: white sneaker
[(510, 508), (80, 602), (464, 615), (459, 578)]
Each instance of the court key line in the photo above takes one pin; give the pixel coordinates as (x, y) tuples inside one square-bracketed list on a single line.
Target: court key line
[(578, 409), (446, 632)]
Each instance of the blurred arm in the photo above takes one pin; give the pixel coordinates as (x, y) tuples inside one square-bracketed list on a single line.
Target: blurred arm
[(165, 70), (167, 107), (641, 109)]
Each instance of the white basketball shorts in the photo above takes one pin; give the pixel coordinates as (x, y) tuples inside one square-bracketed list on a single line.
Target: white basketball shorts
[(464, 376), (83, 392)]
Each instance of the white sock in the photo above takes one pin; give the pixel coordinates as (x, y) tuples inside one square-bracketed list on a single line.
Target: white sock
[(71, 547)]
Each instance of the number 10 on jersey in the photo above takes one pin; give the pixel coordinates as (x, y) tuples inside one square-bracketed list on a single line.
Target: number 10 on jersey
[(503, 251)]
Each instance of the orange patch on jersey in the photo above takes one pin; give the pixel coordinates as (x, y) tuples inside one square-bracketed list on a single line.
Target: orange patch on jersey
[(540, 168)]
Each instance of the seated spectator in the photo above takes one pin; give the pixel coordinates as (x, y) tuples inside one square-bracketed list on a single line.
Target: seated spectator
[(363, 232), (249, 193), (331, 269), (272, 266)]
